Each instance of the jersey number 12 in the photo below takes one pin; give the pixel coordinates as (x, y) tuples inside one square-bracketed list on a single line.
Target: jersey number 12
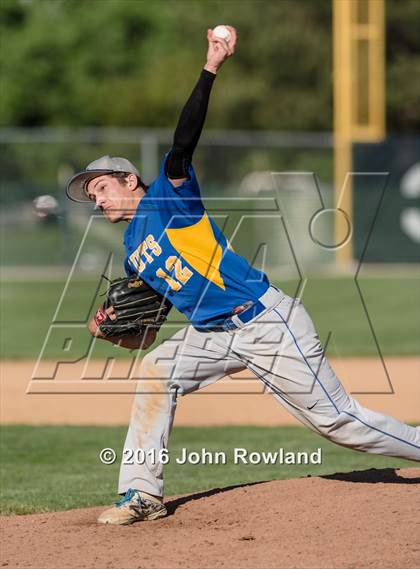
[(182, 274)]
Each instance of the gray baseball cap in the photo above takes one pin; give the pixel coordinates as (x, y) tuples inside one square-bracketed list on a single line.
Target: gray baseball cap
[(75, 189)]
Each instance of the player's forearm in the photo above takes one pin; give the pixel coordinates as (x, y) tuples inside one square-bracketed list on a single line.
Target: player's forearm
[(190, 126), (133, 342), (130, 342)]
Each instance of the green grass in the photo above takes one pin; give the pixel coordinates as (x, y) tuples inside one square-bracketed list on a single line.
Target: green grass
[(27, 309), (57, 468)]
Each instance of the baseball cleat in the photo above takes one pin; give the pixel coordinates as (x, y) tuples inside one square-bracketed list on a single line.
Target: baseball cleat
[(134, 506)]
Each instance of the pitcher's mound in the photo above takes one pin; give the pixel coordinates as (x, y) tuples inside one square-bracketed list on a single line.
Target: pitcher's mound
[(360, 519)]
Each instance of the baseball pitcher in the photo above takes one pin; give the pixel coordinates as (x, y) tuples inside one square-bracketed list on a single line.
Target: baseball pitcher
[(177, 255)]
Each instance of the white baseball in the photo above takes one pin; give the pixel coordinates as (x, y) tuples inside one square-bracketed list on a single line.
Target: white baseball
[(222, 32)]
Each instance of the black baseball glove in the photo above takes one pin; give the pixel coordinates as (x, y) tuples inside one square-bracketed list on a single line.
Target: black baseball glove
[(136, 306)]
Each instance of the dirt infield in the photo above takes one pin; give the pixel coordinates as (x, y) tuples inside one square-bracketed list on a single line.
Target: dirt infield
[(366, 519), (239, 399)]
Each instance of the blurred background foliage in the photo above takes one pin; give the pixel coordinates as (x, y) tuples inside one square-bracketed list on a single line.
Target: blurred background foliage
[(132, 63)]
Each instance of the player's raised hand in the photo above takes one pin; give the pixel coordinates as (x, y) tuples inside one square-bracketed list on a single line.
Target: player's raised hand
[(220, 48)]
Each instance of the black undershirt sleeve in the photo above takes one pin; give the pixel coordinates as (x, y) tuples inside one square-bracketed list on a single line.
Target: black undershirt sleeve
[(189, 127)]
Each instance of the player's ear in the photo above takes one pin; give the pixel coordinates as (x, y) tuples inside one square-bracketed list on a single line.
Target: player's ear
[(131, 180)]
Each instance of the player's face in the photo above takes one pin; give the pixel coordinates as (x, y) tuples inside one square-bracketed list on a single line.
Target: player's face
[(113, 197)]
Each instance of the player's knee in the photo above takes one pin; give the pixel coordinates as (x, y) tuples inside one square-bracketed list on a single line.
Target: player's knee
[(152, 377), (153, 370), (334, 428), (149, 367), (328, 426)]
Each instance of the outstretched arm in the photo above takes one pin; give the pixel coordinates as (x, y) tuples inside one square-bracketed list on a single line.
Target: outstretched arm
[(191, 121)]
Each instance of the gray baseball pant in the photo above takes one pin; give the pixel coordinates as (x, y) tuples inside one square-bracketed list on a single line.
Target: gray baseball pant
[(282, 348)]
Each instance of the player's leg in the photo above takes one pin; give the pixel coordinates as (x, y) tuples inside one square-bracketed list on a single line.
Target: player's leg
[(286, 354), (188, 361)]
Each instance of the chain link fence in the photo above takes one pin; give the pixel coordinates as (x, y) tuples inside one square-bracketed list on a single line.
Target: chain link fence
[(237, 173)]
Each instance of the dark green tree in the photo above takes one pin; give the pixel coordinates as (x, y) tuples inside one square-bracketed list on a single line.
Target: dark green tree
[(133, 62)]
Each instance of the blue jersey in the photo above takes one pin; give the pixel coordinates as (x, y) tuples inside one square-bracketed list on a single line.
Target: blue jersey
[(174, 245)]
